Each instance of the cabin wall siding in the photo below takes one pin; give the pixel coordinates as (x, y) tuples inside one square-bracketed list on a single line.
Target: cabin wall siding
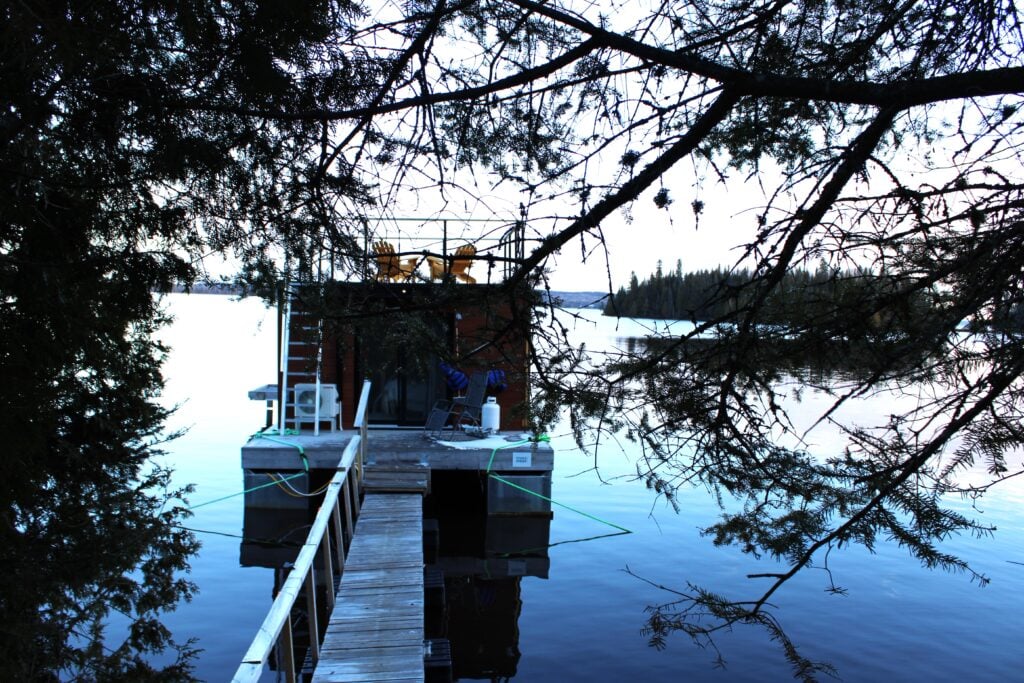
[(473, 330)]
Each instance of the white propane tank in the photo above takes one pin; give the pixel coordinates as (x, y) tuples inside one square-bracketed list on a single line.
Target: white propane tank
[(491, 418)]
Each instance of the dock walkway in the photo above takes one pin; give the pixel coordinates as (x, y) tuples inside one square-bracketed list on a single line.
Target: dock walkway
[(376, 630)]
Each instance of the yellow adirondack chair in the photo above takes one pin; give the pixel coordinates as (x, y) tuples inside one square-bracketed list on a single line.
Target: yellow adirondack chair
[(389, 266), (461, 262)]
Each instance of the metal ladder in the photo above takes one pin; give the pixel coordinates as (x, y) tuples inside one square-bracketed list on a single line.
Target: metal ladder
[(292, 351)]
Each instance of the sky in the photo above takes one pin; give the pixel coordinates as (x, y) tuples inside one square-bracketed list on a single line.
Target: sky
[(637, 236), (644, 234)]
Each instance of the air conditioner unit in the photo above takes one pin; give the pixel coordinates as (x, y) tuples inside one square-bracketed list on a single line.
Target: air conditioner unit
[(306, 406)]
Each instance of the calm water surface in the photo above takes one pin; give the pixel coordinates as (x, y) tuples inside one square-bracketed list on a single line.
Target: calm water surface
[(898, 622)]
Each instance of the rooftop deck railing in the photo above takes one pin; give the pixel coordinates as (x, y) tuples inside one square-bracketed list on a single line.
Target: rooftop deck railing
[(336, 517), (435, 250)]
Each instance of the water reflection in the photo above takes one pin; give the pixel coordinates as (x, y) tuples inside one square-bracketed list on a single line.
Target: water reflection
[(476, 556), (816, 362), (483, 558), (583, 622)]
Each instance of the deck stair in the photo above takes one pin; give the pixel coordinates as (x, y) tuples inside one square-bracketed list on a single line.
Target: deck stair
[(397, 478)]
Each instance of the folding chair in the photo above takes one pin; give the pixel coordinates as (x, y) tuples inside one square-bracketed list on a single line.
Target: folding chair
[(466, 409)]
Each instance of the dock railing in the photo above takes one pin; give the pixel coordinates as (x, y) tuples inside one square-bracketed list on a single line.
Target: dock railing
[(336, 517)]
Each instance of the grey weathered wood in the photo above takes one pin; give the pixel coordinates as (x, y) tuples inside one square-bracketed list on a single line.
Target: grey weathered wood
[(328, 565), (276, 627), (355, 639), (376, 630), (346, 501), (286, 652), (397, 478), (311, 616), (384, 447), (339, 539), (361, 424)]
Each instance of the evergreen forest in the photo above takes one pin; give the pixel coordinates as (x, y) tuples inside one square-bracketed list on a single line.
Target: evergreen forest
[(801, 296)]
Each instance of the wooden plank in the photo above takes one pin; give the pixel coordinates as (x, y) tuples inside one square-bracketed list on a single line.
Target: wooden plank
[(392, 575), (355, 640), (402, 662), (381, 562), (379, 532), (368, 651), (379, 581), (382, 612), (393, 660), (359, 626), (376, 630), (376, 677), (400, 518), (397, 477), (355, 676), (365, 596)]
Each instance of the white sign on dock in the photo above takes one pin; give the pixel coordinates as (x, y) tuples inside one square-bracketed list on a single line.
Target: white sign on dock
[(522, 459)]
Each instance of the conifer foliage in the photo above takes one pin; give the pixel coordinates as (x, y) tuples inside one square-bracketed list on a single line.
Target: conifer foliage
[(140, 137), (114, 184)]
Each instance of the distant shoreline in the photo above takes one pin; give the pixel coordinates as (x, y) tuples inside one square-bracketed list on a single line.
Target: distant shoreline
[(205, 288), (567, 299)]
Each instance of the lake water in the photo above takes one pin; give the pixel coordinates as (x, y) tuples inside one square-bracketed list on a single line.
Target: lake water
[(898, 622)]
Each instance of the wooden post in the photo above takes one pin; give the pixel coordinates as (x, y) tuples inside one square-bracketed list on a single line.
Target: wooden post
[(325, 551), (361, 452), (346, 499), (287, 649), (339, 537), (312, 618)]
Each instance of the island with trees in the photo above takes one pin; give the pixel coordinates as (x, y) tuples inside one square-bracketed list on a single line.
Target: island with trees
[(803, 294)]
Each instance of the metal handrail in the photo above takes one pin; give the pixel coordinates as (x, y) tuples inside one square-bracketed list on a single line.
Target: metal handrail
[(277, 624), (360, 422)]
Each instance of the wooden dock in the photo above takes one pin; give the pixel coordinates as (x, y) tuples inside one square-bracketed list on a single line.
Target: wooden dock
[(376, 630)]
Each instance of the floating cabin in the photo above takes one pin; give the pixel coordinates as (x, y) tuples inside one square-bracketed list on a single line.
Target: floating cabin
[(426, 361), (401, 337)]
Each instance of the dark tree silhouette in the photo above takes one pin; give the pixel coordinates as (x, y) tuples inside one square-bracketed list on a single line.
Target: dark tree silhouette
[(886, 134), (111, 191)]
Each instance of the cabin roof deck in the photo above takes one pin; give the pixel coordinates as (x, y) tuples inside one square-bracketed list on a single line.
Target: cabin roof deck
[(445, 248), (400, 446)]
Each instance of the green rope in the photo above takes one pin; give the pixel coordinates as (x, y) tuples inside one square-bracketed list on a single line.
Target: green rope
[(551, 500), (546, 439), (524, 552), (273, 482), (288, 432), (263, 435), (262, 541)]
